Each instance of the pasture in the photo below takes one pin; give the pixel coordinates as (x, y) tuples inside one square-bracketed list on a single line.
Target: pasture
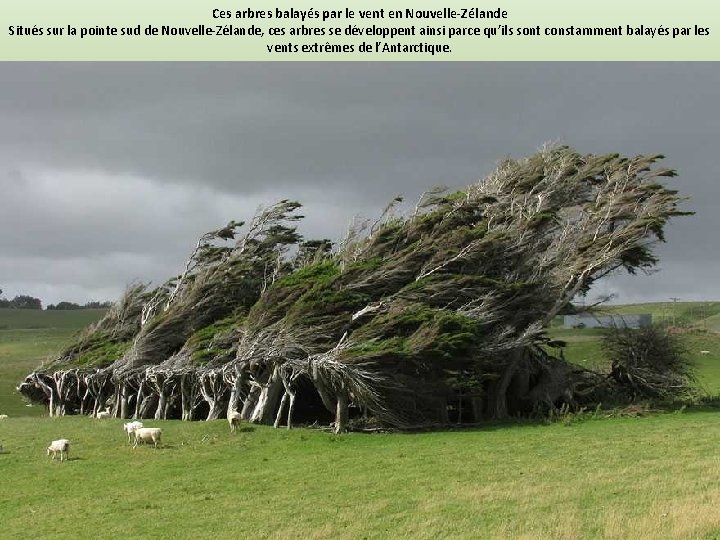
[(652, 477), (655, 476), (27, 338)]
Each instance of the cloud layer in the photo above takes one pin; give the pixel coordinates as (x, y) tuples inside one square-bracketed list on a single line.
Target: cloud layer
[(110, 171)]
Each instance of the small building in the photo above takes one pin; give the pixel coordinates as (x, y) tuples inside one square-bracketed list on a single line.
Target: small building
[(590, 320)]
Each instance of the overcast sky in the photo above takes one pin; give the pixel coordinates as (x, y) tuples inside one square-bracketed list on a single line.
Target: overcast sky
[(109, 172)]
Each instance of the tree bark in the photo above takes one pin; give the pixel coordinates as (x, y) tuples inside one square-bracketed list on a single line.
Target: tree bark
[(268, 400), (341, 413), (139, 400), (499, 390), (146, 406), (250, 402), (123, 399), (290, 410), (159, 411), (281, 410)]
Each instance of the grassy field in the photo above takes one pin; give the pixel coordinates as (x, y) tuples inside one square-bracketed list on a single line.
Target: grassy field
[(35, 319), (27, 338), (701, 319), (654, 477), (607, 478)]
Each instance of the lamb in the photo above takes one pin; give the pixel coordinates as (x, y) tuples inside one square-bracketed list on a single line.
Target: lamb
[(146, 435), (103, 414), (60, 445), (234, 419), (130, 428)]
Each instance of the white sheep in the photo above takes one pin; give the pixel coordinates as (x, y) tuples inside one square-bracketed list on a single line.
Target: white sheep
[(103, 414), (3, 416), (234, 419), (60, 445), (130, 428), (146, 435), (704, 352)]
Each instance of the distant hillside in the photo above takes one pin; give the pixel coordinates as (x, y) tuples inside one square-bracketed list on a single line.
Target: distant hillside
[(695, 314), (702, 318), (31, 319), (27, 338)]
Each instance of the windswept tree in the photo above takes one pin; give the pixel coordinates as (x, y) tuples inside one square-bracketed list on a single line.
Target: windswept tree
[(428, 318)]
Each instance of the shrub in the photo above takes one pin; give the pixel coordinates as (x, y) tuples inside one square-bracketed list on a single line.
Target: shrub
[(649, 362)]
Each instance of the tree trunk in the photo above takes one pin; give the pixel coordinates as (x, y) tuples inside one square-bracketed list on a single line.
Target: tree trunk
[(185, 403), (290, 410), (123, 400), (188, 393), (267, 400), (161, 405), (330, 404), (214, 412), (477, 408), (59, 378), (341, 413), (443, 412), (212, 387), (49, 392), (84, 401), (235, 395), (146, 406), (99, 402), (281, 410), (250, 402), (138, 401), (498, 394), (168, 405)]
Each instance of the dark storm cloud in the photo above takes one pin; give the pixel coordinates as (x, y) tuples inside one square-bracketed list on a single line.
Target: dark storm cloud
[(118, 167)]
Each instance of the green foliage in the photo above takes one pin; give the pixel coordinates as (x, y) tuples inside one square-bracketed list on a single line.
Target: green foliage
[(99, 348), (364, 265), (323, 300), (286, 292), (418, 333), (100, 353), (309, 276), (464, 284), (650, 361), (214, 340), (22, 301)]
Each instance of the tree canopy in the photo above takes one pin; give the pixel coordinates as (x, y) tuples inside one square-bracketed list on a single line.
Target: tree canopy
[(22, 301), (423, 318)]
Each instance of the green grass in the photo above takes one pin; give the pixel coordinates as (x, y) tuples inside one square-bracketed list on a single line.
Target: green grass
[(654, 477), (703, 318), (32, 319), (618, 478), (27, 338), (693, 313)]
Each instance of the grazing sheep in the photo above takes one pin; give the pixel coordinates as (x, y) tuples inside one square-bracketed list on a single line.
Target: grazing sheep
[(130, 428), (103, 414), (146, 435), (704, 352), (62, 446), (234, 420), (3, 416)]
